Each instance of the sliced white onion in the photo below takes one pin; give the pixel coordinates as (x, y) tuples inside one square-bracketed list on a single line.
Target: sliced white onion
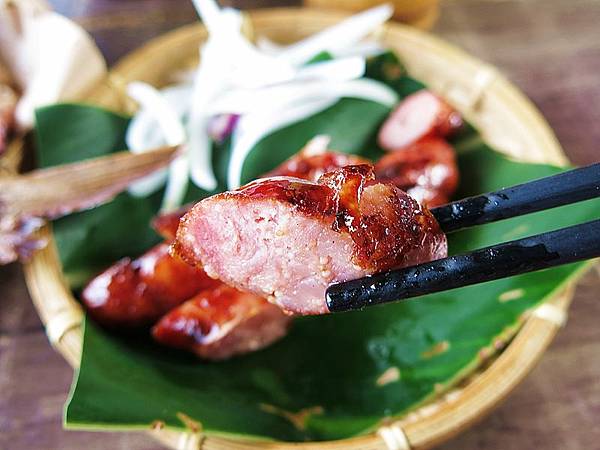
[(317, 145), (151, 99), (178, 98), (227, 59), (208, 83), (342, 69), (177, 184), (272, 88), (144, 131), (210, 13), (142, 134), (200, 154), (215, 75), (367, 89), (253, 127), (182, 76), (149, 184), (365, 49), (276, 97), (268, 47), (249, 67), (342, 35), (169, 123)]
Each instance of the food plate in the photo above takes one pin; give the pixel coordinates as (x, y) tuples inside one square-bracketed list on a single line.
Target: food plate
[(506, 120)]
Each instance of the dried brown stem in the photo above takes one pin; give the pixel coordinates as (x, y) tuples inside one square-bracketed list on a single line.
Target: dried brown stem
[(58, 191)]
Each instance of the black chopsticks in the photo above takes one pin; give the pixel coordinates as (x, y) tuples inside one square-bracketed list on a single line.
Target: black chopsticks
[(562, 189), (554, 248), (545, 250)]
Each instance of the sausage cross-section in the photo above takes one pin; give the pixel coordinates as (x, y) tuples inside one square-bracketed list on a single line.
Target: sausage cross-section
[(287, 239)]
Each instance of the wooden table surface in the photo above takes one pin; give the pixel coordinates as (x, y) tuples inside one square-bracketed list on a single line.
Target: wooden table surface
[(549, 48)]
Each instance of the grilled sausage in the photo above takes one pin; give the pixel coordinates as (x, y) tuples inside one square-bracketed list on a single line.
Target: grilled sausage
[(419, 116), (426, 170), (137, 292), (311, 166), (287, 239), (222, 322)]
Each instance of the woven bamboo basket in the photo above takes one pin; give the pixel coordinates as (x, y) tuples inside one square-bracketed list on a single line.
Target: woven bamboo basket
[(418, 13), (506, 119)]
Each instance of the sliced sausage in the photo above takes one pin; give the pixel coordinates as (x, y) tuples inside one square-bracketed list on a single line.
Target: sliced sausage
[(426, 170), (287, 239), (310, 166), (420, 115), (135, 293), (222, 322)]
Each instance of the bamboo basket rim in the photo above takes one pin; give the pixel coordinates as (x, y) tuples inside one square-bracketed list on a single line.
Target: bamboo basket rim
[(432, 423)]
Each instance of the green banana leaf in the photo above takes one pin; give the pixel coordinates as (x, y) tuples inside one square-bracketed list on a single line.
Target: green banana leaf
[(333, 376)]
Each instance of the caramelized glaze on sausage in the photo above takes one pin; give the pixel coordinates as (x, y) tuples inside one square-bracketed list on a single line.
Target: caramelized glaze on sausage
[(137, 292), (426, 170), (222, 322), (310, 167)]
